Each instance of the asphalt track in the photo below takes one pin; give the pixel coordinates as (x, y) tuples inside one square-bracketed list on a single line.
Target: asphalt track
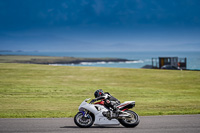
[(148, 124)]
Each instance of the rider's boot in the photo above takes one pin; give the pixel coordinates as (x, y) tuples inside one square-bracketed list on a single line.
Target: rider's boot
[(116, 110)]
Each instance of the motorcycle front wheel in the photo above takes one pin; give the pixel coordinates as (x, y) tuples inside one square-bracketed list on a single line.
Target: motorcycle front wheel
[(133, 121), (83, 121)]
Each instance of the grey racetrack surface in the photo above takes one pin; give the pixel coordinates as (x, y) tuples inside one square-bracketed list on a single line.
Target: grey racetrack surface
[(148, 124)]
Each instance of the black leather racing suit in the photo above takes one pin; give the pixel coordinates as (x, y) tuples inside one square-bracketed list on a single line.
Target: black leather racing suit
[(109, 101)]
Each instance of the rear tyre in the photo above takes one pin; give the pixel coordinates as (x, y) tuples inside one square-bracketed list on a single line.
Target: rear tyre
[(130, 122), (83, 121)]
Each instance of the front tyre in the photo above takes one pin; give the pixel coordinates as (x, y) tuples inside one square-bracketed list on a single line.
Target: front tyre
[(83, 121), (133, 121)]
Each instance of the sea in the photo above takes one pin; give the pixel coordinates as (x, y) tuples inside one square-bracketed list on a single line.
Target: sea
[(140, 58)]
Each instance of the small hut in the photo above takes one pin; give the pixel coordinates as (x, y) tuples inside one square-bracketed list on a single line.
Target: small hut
[(172, 61)]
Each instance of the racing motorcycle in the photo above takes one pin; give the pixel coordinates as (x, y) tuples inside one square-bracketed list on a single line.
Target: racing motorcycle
[(97, 114)]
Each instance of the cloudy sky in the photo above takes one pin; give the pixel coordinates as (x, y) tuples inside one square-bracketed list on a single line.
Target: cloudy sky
[(100, 25)]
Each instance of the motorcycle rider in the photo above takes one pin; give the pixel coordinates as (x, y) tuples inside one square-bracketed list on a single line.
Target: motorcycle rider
[(109, 101)]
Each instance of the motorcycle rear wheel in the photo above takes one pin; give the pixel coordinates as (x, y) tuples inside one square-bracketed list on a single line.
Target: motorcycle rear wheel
[(130, 122), (82, 121)]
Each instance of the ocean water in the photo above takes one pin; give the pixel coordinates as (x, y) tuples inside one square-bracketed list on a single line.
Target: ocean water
[(141, 58)]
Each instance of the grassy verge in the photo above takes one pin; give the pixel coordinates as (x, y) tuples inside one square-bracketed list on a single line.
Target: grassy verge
[(28, 90)]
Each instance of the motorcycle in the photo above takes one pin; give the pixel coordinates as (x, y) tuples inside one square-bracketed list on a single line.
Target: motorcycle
[(97, 114)]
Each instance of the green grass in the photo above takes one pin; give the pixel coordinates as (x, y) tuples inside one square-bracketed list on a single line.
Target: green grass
[(28, 90)]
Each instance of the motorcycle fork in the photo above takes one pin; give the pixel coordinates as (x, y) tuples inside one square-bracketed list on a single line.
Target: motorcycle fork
[(85, 113)]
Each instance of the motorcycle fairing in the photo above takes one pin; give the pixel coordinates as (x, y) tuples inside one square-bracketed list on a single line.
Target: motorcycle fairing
[(99, 118)]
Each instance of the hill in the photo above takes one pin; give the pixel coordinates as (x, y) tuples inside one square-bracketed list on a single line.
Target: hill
[(53, 60)]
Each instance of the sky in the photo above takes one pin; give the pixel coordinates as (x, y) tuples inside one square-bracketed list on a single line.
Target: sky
[(100, 25)]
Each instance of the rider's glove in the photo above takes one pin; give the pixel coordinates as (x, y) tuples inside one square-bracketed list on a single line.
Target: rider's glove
[(93, 100)]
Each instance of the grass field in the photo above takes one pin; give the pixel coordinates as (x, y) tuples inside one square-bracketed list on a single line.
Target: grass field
[(28, 90)]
